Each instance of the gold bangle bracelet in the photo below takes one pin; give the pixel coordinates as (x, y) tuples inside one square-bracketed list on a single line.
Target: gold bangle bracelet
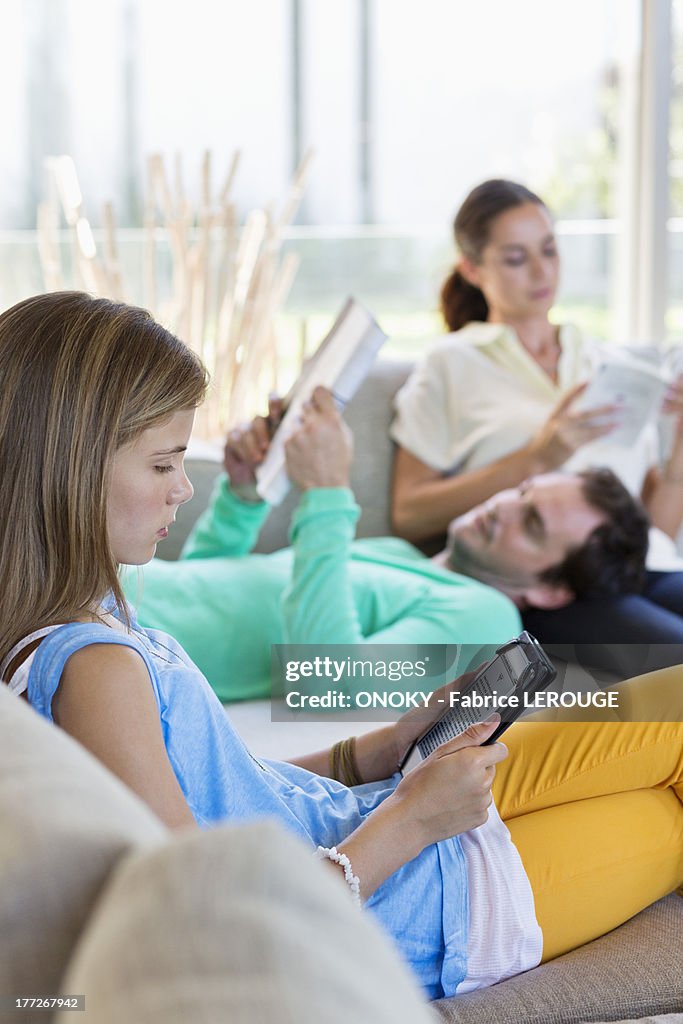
[(344, 764)]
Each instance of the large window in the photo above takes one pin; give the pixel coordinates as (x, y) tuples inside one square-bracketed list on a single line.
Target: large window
[(449, 94), (407, 106)]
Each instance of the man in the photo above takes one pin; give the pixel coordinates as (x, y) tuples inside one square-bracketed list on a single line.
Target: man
[(554, 538), (227, 607)]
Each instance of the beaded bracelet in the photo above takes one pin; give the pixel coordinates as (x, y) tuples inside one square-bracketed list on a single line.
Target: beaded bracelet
[(353, 881)]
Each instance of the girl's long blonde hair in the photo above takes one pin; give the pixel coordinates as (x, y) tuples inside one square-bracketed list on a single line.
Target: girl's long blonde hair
[(79, 378)]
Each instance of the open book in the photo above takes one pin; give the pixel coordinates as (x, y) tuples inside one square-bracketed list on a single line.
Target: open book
[(637, 385), (340, 363)]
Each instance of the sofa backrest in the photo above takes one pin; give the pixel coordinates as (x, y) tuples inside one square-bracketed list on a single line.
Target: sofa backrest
[(369, 415)]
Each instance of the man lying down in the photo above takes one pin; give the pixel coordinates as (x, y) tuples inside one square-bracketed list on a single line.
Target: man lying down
[(556, 537)]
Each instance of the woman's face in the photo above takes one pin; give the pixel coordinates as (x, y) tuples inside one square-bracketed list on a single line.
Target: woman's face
[(519, 267), (146, 485)]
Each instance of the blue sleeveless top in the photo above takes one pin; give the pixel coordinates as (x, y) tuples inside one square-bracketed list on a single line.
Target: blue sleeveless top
[(424, 905)]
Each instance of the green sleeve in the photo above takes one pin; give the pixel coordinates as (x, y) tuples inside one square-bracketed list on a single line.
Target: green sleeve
[(317, 605), (228, 528)]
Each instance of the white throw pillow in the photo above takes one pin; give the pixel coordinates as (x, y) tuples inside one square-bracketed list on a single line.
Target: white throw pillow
[(64, 823), (238, 924)]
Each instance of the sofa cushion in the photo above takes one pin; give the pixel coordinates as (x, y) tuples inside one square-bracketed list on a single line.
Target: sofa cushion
[(635, 970), (237, 924), (64, 823), (661, 1018)]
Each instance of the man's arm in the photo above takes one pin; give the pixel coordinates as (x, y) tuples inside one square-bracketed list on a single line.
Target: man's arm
[(318, 606), (230, 525)]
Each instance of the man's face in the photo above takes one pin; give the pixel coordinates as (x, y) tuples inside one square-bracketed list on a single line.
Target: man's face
[(514, 536)]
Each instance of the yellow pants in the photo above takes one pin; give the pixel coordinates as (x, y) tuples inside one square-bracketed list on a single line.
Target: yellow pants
[(595, 809)]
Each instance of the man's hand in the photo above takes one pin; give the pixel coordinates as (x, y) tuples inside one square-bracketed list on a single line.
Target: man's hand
[(246, 447), (319, 452)]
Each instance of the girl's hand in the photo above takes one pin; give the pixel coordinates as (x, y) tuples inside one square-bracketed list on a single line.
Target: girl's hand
[(567, 429), (246, 446), (450, 791), (416, 721)]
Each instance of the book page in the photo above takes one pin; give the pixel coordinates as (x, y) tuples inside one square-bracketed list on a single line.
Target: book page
[(637, 387), (340, 363)]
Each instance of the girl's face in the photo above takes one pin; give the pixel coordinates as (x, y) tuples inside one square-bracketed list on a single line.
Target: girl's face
[(146, 485), (519, 267)]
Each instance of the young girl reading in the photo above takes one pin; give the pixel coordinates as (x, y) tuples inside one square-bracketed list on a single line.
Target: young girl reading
[(96, 410)]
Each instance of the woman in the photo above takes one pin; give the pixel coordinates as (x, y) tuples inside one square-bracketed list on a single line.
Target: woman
[(95, 415), (498, 400)]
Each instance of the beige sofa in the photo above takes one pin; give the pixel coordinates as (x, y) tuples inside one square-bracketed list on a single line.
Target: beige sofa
[(239, 924)]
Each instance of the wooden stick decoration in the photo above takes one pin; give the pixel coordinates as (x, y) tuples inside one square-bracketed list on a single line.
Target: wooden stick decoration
[(283, 284), (225, 192), (226, 285), (296, 190), (112, 264), (149, 256), (92, 274), (258, 346), (48, 247), (200, 279)]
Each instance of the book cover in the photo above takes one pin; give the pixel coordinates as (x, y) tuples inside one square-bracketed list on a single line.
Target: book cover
[(340, 363)]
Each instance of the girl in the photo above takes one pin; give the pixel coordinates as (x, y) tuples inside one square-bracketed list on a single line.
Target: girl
[(95, 415), (495, 402)]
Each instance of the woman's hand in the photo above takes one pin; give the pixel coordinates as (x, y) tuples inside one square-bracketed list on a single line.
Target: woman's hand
[(663, 489), (246, 446), (567, 429), (450, 791), (673, 406)]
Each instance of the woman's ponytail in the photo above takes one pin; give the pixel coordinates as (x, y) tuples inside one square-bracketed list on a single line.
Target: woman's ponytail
[(461, 302)]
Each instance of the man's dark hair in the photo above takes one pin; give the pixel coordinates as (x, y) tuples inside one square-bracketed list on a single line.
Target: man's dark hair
[(612, 559)]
